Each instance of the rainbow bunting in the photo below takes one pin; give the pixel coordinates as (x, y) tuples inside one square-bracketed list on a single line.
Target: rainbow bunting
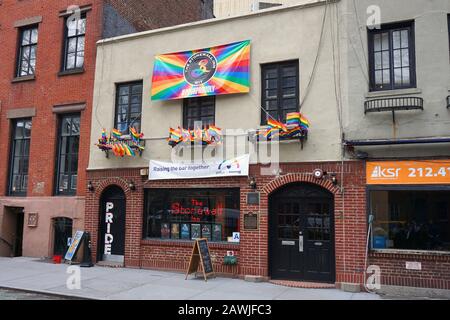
[(205, 72)]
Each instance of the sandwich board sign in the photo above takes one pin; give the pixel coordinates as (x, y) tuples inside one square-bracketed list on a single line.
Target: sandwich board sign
[(74, 245), (200, 256)]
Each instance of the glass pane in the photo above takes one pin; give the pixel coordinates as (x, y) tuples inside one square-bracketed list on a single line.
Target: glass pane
[(19, 129), (405, 38), (136, 99), (24, 70), (397, 59), (80, 60), (24, 182), (396, 39), (271, 105), (137, 89), (74, 164), (378, 64), (378, 77), (66, 126), (16, 165), (26, 37), (82, 26), (271, 93), (124, 90), (71, 27), (406, 76), (27, 129), (34, 36), (385, 41), (289, 82), (377, 42), (398, 76), (80, 46), (75, 145), (63, 164), (386, 60), (271, 73), (289, 71), (73, 182), (289, 103), (271, 84), (18, 147), (33, 52), (386, 77), (405, 58), (70, 61), (123, 99), (72, 45), (122, 126), (63, 182), (75, 126)]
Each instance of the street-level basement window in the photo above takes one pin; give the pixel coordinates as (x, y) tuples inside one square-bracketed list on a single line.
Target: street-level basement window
[(410, 219), (187, 214)]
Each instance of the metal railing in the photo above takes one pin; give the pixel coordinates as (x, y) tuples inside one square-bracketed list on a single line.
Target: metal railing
[(393, 104)]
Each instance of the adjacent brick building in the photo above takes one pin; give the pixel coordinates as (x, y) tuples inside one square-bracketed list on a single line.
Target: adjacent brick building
[(48, 54)]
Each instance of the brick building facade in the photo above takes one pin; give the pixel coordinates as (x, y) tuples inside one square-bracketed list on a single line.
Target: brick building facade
[(54, 87)]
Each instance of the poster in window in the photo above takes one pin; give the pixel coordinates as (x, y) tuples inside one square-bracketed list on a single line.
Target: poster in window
[(195, 231), (185, 233), (175, 234), (165, 231), (206, 231), (217, 232)]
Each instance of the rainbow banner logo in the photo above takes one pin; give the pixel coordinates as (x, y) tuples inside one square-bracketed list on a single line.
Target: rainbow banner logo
[(205, 72)]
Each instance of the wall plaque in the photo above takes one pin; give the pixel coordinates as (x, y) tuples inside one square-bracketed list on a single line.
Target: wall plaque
[(253, 198), (33, 219), (251, 221)]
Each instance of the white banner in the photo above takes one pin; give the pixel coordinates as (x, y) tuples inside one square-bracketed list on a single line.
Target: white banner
[(229, 168)]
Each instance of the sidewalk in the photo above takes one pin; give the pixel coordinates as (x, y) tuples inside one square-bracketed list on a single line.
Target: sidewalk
[(123, 284)]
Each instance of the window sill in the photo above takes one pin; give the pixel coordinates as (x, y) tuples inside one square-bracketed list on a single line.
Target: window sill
[(393, 93), (23, 79), (188, 243), (70, 72), (408, 252)]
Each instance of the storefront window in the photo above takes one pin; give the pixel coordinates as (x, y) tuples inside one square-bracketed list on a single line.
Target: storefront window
[(186, 214), (410, 219)]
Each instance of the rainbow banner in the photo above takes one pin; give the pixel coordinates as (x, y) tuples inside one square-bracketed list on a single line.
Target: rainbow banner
[(205, 72)]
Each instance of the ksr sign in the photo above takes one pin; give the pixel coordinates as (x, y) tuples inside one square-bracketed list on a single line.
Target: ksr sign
[(408, 172)]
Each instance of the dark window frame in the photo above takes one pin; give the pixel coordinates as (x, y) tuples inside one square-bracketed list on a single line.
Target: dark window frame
[(31, 70), (130, 121), (12, 156), (279, 96), (448, 24), (390, 29), (70, 173), (199, 103), (66, 40)]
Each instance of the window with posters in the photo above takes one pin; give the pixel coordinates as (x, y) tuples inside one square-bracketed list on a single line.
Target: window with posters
[(187, 214)]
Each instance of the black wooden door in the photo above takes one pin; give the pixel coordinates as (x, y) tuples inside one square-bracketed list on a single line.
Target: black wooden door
[(111, 240), (301, 234), (63, 231)]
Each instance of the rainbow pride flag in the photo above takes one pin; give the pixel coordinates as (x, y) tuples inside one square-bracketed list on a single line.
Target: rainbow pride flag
[(116, 133), (205, 72)]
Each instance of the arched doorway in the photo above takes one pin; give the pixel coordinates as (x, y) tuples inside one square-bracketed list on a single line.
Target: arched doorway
[(111, 242), (301, 233)]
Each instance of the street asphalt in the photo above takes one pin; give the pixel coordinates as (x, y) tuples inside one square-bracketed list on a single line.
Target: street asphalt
[(102, 283)]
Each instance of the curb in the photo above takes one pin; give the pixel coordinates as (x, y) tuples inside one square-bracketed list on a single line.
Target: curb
[(48, 293)]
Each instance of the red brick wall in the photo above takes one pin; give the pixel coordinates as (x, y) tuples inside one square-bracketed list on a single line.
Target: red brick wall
[(435, 271), (253, 249), (47, 90)]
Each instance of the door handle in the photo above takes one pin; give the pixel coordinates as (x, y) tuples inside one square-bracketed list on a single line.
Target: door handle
[(300, 243)]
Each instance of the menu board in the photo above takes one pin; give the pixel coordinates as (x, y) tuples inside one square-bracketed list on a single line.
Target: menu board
[(200, 255)]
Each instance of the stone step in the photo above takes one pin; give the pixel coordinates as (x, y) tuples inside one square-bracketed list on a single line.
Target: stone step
[(302, 284), (110, 264)]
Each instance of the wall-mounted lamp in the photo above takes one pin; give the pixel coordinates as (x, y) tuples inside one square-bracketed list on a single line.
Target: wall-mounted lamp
[(131, 186), (334, 179), (252, 182), (90, 186)]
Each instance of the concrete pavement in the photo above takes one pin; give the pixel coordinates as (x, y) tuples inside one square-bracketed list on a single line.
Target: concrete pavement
[(135, 284)]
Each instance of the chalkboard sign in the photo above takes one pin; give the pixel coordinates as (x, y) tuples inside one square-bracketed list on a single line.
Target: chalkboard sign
[(205, 257), (200, 256)]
